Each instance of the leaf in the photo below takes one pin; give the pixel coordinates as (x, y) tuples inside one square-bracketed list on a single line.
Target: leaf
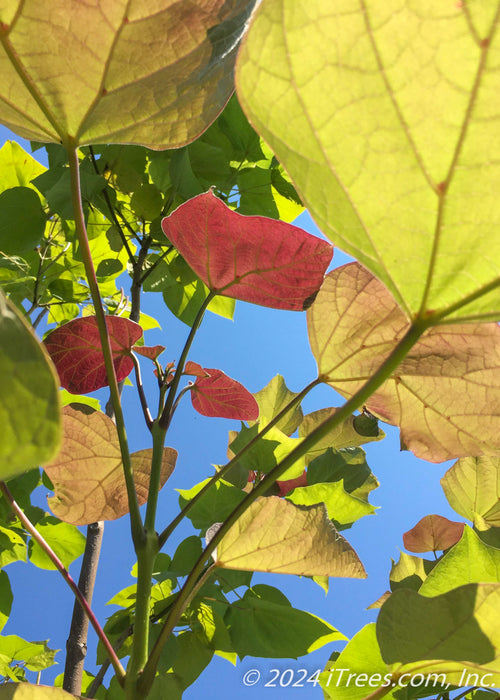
[(88, 475), (472, 487), (150, 352), (273, 398), (388, 142), (6, 599), (12, 545), (154, 76), (344, 435), (460, 625), (341, 506), (267, 452), (425, 395), (17, 167), (469, 561), (276, 536), (222, 397), (253, 258), (26, 691), (348, 465), (409, 572), (214, 506), (433, 533), (75, 349), (195, 370), (36, 655), (22, 220), (65, 539), (260, 626), (29, 404)]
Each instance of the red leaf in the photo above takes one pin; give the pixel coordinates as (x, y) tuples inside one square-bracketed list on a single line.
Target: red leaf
[(219, 396), (195, 370), (75, 349), (433, 534), (287, 486), (252, 258), (151, 352)]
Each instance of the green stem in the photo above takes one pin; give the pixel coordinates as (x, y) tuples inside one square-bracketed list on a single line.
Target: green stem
[(29, 527), (145, 561), (138, 534), (359, 398), (166, 416), (224, 470)]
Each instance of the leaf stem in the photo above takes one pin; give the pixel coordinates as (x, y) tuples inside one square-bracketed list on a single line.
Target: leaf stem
[(29, 527), (360, 397), (222, 472), (166, 415), (138, 535), (140, 389)]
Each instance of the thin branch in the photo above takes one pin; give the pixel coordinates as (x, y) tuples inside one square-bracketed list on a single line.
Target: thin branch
[(140, 388), (29, 527), (155, 264), (224, 470)]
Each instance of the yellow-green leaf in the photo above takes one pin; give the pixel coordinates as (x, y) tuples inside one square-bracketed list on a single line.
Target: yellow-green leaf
[(29, 401), (155, 74), (275, 535), (387, 124), (26, 691), (472, 487)]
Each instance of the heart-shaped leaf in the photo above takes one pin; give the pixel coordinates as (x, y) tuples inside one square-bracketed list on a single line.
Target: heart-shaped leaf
[(87, 474), (29, 401), (275, 535), (437, 394), (252, 258), (433, 533), (388, 142), (219, 396), (75, 349), (151, 352), (472, 487), (156, 74)]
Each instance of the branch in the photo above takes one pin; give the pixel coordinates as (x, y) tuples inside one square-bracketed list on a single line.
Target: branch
[(29, 527)]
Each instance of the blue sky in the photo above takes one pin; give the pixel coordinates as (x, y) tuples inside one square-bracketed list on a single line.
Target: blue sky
[(258, 344)]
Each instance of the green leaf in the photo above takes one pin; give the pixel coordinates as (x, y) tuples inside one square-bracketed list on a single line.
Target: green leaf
[(22, 220), (67, 398), (186, 555), (472, 487), (147, 202), (409, 572), (12, 545), (191, 658), (275, 535), (214, 506), (177, 81), (348, 465), (17, 167), (273, 398), (460, 625), (65, 539), (361, 658), (29, 406), (388, 142), (36, 655), (6, 599), (469, 561), (341, 506), (268, 451), (262, 627), (344, 435)]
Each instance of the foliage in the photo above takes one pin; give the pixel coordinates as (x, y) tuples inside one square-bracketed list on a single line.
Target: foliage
[(384, 127)]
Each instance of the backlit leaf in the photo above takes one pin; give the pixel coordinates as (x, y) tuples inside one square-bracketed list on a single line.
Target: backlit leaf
[(88, 475), (273, 398), (29, 401), (342, 507), (155, 75), (344, 435), (276, 536), (26, 691), (75, 349), (409, 572), (267, 452), (426, 394), (22, 220), (214, 506), (472, 487), (433, 533), (150, 352), (65, 539), (17, 168), (251, 258), (6, 598), (469, 561), (222, 397), (386, 129), (261, 626)]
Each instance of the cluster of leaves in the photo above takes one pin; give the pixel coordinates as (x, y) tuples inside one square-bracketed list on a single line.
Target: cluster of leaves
[(408, 334)]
